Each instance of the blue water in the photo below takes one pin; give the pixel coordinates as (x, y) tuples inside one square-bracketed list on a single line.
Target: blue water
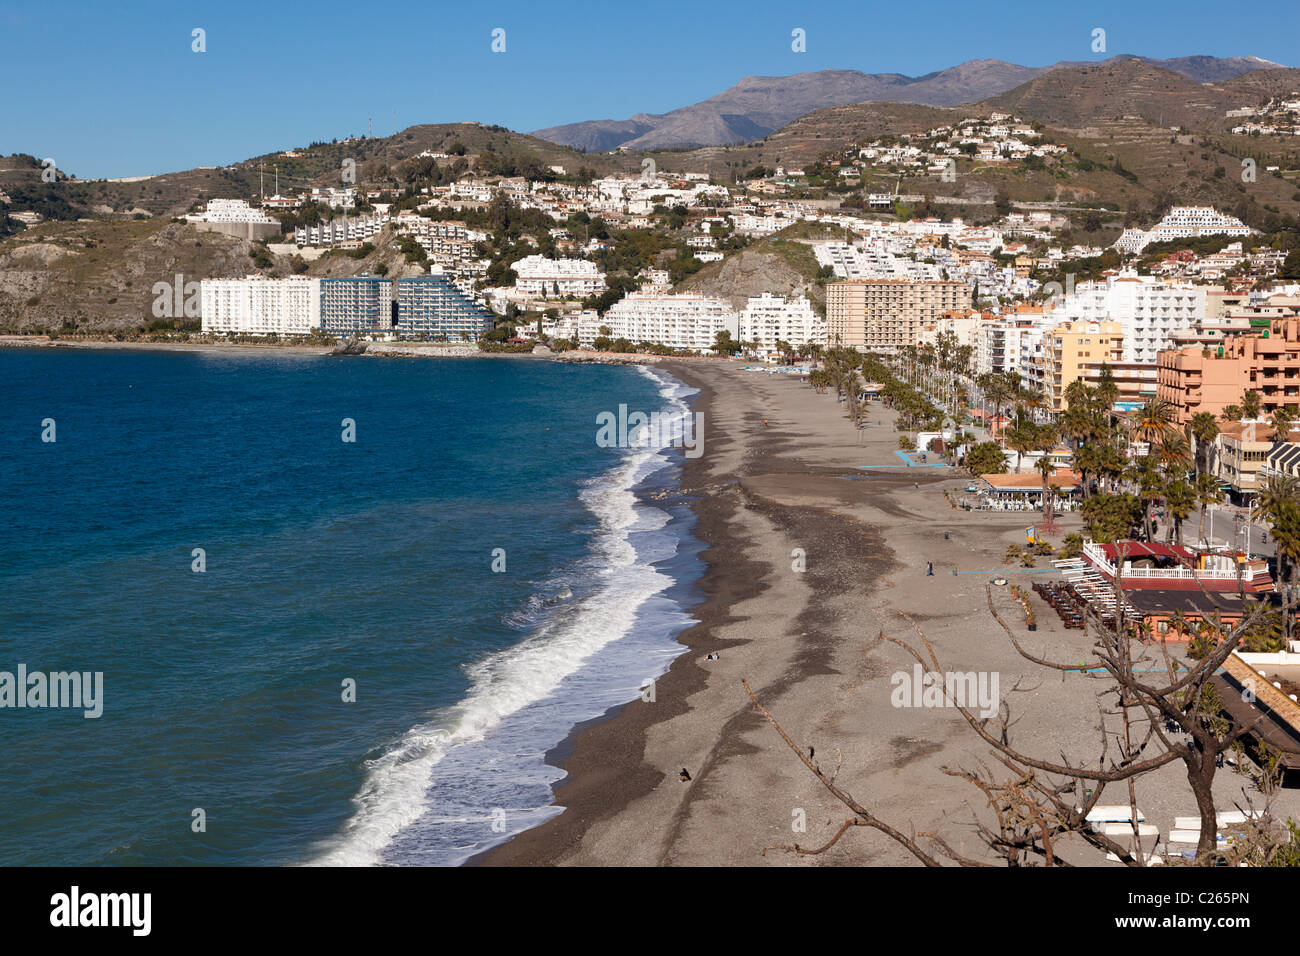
[(326, 561)]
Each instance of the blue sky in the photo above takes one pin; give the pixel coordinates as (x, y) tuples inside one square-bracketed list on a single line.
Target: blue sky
[(113, 89)]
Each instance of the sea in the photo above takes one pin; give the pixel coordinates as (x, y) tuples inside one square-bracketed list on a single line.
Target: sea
[(342, 608)]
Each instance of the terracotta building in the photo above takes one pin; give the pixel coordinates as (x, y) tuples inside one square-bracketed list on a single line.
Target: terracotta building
[(1196, 380)]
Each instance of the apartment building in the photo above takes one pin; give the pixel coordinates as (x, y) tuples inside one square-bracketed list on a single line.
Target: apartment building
[(768, 319), (356, 305), (431, 307), (540, 276), (963, 324), (341, 230), (257, 305), (1208, 380), (1238, 455), (1075, 351), (884, 314), (1150, 310), (581, 327), (235, 217), (686, 321), (1183, 222), (1004, 343)]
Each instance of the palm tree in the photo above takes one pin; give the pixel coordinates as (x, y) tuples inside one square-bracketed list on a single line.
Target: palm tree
[(1250, 405), (1281, 422), (1045, 468), (1020, 438), (1278, 503), (1173, 452), (1043, 439), (1180, 499), (1204, 431), (1077, 393), (997, 390), (1232, 413), (1208, 493), (1107, 390), (1153, 420), (1151, 486)]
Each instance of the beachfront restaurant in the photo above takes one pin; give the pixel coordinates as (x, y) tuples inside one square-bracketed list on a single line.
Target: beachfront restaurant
[(1023, 492), (1169, 589)]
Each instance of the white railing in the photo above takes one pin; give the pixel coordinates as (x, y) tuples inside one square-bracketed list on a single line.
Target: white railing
[(1097, 557), (1268, 471)]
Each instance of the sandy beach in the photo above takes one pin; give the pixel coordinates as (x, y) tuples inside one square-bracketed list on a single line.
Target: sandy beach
[(808, 642)]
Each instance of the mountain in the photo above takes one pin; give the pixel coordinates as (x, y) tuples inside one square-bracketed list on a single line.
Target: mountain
[(757, 105), (1081, 96)]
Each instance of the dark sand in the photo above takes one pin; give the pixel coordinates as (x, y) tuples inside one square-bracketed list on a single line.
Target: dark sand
[(808, 643)]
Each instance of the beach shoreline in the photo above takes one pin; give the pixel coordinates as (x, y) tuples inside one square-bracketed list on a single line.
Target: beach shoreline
[(605, 758), (818, 542), (395, 349)]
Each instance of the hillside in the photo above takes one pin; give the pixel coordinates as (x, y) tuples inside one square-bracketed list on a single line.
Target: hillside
[(1108, 116), (781, 267), (758, 105), (1079, 97), (173, 194), (99, 275)]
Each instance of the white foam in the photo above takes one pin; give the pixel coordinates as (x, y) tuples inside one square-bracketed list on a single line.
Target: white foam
[(394, 794)]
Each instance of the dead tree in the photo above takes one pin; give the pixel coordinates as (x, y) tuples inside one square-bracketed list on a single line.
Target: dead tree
[(1043, 800)]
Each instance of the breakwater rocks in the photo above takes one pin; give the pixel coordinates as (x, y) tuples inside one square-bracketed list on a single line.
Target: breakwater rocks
[(605, 358), (430, 351), (350, 347)]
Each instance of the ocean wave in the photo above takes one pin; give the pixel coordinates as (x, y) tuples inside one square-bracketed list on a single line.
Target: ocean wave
[(438, 793)]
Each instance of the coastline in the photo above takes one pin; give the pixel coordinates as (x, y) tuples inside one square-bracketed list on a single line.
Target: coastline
[(783, 469), (374, 350), (606, 759)]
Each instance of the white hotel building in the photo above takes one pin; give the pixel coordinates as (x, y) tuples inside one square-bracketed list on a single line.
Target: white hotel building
[(341, 230), (1183, 222), (230, 210), (687, 321), (257, 305), (1150, 310), (537, 275), (768, 319)]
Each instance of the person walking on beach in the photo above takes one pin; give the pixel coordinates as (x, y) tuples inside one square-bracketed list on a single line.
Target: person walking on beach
[(929, 569)]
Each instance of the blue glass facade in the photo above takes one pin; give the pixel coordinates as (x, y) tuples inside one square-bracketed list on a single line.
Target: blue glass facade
[(431, 307), (356, 305)]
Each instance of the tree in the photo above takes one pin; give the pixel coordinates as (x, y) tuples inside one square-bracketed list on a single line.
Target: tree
[(1180, 500), (1208, 493), (1204, 431), (1112, 517), (997, 390), (1277, 503), (1282, 423), (723, 342), (1045, 468), (1173, 452), (986, 458), (1250, 405), (1153, 420), (1156, 710), (1232, 413), (1044, 440)]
